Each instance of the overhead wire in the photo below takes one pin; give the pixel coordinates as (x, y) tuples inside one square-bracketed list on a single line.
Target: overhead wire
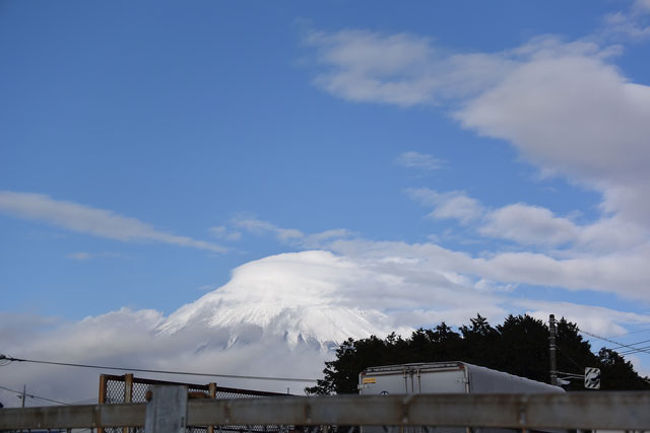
[(638, 342), (148, 370), (631, 351), (34, 396), (630, 347)]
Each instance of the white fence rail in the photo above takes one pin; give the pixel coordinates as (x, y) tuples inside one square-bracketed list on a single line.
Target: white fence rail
[(582, 410)]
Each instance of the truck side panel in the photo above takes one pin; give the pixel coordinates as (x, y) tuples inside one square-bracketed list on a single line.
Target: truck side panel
[(441, 382), (485, 380), (385, 384)]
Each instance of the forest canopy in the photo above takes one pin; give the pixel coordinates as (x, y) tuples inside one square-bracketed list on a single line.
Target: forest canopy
[(518, 346)]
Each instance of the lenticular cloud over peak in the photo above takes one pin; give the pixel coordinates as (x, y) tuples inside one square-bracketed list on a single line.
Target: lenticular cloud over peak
[(304, 297)]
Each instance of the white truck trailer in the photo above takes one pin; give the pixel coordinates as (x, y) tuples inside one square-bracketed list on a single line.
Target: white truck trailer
[(444, 378)]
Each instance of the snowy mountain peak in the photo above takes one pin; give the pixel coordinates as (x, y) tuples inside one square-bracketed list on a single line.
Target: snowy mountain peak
[(299, 296)]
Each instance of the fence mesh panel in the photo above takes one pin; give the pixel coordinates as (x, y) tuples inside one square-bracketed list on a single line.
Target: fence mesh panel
[(115, 389)]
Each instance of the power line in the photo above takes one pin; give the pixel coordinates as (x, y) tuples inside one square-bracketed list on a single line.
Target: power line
[(629, 346), (147, 370), (38, 397), (631, 351), (639, 342), (35, 396)]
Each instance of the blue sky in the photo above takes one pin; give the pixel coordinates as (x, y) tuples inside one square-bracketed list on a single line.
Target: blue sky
[(148, 149)]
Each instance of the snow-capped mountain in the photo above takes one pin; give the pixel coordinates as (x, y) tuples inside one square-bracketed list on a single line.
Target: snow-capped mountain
[(297, 296)]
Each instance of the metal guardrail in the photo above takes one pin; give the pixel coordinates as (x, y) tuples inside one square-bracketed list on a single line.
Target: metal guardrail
[(583, 410)]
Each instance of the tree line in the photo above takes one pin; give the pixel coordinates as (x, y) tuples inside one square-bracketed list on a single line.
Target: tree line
[(519, 346)]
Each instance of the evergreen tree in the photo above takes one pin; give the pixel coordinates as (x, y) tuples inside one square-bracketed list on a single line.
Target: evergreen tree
[(617, 373)]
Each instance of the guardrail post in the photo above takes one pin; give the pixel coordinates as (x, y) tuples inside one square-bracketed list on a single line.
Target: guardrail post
[(167, 409)]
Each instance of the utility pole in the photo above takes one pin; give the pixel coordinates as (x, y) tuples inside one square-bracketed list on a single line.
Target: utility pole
[(552, 349), (24, 397)]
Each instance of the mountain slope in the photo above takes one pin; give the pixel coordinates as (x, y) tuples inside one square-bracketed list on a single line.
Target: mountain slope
[(299, 296)]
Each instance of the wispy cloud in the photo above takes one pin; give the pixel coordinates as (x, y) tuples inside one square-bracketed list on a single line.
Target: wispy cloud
[(529, 225), (223, 232), (401, 69), (633, 23), (448, 205), (289, 235), (419, 161), (534, 226), (88, 220), (83, 256), (257, 226), (80, 256)]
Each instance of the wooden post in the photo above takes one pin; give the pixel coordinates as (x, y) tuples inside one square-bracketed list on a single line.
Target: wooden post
[(128, 393), (212, 390), (101, 399)]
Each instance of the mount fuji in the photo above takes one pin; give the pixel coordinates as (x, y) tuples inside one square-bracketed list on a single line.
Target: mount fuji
[(300, 297)]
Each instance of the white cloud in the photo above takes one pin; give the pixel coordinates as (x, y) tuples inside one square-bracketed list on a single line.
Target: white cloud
[(399, 69), (601, 321), (258, 226), (289, 235), (529, 225), (222, 232), (612, 234), (369, 67), (316, 240), (535, 226), (88, 220), (579, 117), (457, 206), (81, 256), (575, 114), (449, 205), (419, 161), (633, 23), (623, 273)]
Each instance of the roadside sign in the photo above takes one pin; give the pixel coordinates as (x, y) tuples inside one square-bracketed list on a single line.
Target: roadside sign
[(592, 378)]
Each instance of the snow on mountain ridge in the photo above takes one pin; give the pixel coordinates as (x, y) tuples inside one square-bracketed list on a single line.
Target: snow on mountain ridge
[(297, 295)]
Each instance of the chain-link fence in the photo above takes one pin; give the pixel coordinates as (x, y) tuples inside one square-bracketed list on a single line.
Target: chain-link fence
[(115, 389)]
